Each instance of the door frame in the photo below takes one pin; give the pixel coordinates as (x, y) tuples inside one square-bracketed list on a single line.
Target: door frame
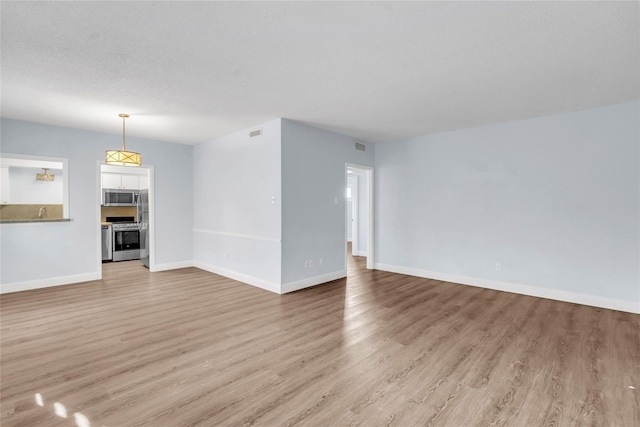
[(369, 174), (152, 233), (355, 214)]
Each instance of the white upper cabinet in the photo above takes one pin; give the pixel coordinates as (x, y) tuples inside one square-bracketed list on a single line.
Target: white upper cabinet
[(124, 181), (111, 180), (143, 182), (130, 182), (4, 185)]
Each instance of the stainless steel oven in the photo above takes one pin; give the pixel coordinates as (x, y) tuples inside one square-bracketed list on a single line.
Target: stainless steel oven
[(126, 241)]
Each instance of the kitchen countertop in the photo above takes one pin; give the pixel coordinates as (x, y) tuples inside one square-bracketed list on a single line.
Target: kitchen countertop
[(16, 221)]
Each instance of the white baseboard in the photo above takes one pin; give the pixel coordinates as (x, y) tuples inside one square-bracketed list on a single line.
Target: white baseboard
[(173, 265), (516, 288), (241, 277), (312, 281), (6, 288), (359, 253)]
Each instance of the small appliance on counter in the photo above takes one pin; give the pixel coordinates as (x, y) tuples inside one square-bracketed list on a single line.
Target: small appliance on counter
[(126, 238)]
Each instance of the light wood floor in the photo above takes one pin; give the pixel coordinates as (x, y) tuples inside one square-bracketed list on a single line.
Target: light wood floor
[(186, 348)]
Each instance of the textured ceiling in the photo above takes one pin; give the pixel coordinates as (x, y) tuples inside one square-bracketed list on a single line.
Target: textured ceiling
[(188, 72)]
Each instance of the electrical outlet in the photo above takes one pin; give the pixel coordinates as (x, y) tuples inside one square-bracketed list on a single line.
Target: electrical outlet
[(320, 261), (310, 263), (306, 263), (498, 266)]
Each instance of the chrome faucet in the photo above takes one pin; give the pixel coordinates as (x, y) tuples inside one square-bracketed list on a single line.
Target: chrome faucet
[(42, 213)]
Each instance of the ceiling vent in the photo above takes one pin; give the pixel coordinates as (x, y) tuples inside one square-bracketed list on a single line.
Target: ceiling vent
[(255, 133), (360, 147)]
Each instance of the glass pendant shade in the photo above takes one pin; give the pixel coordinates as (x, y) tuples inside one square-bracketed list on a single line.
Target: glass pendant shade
[(123, 157)]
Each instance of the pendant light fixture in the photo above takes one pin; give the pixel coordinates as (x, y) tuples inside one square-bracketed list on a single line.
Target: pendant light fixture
[(46, 176), (123, 157)]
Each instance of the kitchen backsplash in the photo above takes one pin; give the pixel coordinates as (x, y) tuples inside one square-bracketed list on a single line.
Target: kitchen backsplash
[(118, 211), (14, 212)]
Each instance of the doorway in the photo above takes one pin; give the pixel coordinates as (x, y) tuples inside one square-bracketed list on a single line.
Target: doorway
[(359, 213), (126, 179)]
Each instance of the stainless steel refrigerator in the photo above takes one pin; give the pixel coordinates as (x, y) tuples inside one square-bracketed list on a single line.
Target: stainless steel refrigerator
[(143, 220)]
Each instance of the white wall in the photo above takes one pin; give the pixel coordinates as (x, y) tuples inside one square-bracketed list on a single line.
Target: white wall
[(350, 179), (358, 180), (313, 224), (363, 214), (349, 220), (36, 255), (237, 228), (25, 189), (554, 199)]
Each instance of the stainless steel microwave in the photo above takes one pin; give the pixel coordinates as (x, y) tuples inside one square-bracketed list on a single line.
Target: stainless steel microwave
[(112, 197)]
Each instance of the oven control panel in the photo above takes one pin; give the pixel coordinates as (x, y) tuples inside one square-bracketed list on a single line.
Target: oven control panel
[(126, 226)]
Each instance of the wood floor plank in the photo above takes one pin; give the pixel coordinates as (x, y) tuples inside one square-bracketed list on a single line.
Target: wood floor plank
[(190, 348)]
